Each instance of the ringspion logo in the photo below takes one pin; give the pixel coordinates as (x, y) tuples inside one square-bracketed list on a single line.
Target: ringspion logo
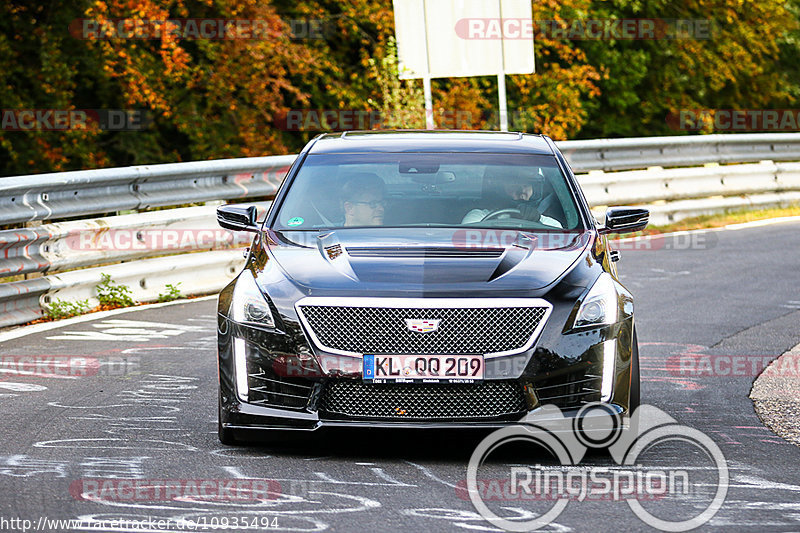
[(541, 492)]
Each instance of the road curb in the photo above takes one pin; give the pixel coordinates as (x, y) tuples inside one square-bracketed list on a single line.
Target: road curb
[(776, 396)]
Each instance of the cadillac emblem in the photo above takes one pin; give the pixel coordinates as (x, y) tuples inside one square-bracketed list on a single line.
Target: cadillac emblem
[(334, 251), (423, 326)]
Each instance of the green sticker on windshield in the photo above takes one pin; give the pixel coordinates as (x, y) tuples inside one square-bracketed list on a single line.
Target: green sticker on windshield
[(295, 221)]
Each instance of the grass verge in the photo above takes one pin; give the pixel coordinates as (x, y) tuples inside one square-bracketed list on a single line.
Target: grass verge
[(725, 219)]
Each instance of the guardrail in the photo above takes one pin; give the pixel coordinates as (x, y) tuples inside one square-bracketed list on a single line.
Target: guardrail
[(54, 248), (75, 244), (686, 192), (679, 151), (108, 190)]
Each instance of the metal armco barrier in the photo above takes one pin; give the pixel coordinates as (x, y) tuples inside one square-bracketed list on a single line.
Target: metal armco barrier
[(83, 243), (90, 192), (680, 151), (658, 184), (138, 239), (198, 273)]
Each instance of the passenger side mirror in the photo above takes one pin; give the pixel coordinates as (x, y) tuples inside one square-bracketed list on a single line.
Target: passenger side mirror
[(625, 220), (238, 218)]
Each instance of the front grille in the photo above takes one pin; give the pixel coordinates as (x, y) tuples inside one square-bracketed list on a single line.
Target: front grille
[(461, 330), (569, 388), (487, 400), (424, 252), (271, 390)]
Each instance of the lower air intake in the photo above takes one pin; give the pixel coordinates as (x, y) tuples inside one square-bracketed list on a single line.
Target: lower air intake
[(481, 401), (271, 390), (572, 388)]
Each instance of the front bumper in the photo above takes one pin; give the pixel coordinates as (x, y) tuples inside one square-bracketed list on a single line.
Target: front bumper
[(561, 369), (254, 418)]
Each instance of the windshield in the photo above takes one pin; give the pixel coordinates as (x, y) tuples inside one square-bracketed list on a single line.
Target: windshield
[(514, 191)]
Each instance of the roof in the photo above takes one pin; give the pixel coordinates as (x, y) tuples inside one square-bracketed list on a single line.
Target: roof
[(429, 141)]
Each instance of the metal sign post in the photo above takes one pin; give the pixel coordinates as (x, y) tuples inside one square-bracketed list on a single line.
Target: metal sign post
[(501, 93), (501, 78), (426, 78), (429, 122)]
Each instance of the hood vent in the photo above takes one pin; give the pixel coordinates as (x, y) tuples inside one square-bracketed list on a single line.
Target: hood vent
[(424, 252)]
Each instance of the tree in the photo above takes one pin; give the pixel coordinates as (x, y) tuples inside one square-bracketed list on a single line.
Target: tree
[(734, 66)]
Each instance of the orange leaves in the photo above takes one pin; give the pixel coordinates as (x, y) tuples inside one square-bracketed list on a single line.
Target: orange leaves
[(142, 52), (221, 95)]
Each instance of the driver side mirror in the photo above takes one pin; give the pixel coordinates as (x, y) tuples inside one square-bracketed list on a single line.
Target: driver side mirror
[(625, 220), (238, 218)]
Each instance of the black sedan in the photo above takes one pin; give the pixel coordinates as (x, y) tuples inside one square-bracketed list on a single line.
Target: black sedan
[(425, 279)]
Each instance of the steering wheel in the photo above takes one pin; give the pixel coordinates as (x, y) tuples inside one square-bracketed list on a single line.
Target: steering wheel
[(497, 212)]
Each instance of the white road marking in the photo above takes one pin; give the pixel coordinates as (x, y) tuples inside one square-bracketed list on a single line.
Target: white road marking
[(114, 467), (128, 330), (25, 466), (236, 452), (461, 518), (322, 478), (386, 477), (761, 483), (108, 444), (431, 475), (21, 387)]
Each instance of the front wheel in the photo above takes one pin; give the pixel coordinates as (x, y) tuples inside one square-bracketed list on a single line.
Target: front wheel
[(225, 435), (634, 396)]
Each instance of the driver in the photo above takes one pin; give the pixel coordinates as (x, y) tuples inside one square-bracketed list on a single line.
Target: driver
[(517, 194), (363, 200)]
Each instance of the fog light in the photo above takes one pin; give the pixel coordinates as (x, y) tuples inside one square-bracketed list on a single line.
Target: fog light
[(240, 368), (609, 369)]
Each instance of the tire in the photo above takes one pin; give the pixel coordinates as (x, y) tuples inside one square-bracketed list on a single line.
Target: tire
[(225, 435), (635, 395)]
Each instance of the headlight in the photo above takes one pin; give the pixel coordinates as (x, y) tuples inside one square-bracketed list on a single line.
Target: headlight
[(607, 302), (249, 305)]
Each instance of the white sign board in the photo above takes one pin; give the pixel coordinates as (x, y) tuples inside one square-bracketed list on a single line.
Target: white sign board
[(455, 38)]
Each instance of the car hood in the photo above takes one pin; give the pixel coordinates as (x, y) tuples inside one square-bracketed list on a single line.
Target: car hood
[(397, 260)]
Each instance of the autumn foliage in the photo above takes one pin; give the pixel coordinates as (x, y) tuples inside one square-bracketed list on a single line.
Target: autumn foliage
[(204, 98)]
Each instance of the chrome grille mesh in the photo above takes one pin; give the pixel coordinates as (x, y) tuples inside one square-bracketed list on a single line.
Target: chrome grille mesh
[(356, 399), (383, 330)]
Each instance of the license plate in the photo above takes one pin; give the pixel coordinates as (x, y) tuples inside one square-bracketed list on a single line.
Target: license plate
[(423, 368)]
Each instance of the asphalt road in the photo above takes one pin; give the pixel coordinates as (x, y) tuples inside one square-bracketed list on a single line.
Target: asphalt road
[(146, 410)]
